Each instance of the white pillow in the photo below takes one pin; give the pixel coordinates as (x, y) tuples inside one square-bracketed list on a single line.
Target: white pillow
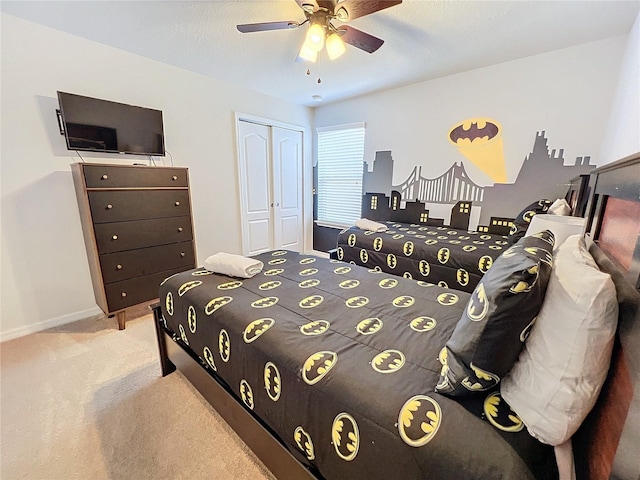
[(559, 374), (560, 207)]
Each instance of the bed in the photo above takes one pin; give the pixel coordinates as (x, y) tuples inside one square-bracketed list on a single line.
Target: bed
[(329, 323)]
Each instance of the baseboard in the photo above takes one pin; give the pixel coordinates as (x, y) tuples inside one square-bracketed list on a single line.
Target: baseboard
[(50, 323)]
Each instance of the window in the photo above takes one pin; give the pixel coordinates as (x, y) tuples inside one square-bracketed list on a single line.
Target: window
[(340, 168)]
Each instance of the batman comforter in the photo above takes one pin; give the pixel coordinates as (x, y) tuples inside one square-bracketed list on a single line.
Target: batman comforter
[(341, 363), (451, 258)]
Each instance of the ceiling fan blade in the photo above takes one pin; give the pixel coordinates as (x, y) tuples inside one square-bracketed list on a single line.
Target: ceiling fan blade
[(360, 39), (262, 27), (350, 9), (308, 6)]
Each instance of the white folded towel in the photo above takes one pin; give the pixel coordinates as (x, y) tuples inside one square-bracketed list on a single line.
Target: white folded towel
[(233, 265), (560, 207), (366, 224)]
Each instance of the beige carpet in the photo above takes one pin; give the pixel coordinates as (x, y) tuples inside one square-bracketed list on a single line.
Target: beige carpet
[(86, 401)]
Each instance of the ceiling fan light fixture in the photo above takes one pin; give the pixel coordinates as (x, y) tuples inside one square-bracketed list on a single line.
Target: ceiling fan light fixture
[(335, 46), (308, 53), (315, 37)]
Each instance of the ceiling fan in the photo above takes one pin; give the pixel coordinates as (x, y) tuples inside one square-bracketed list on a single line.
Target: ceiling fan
[(319, 15)]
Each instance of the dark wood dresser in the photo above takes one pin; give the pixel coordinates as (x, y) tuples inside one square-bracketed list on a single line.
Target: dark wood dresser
[(137, 228)]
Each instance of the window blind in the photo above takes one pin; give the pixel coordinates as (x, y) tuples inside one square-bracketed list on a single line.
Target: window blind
[(340, 167)]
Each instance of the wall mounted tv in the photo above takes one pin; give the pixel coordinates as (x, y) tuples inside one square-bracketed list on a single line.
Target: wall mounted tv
[(95, 125)]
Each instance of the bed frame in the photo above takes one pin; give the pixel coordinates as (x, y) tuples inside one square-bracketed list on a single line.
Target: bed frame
[(607, 445)]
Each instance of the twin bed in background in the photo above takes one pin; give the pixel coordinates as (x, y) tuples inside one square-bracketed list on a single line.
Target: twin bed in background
[(332, 370)]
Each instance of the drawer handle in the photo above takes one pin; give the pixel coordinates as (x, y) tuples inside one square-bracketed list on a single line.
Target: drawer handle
[(104, 177), (179, 229), (118, 267), (174, 178), (182, 254), (177, 204), (109, 207), (115, 237), (124, 294)]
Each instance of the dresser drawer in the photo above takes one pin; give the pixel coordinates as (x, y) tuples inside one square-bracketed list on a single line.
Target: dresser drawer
[(136, 290), (122, 205), (144, 261), (120, 236), (127, 176)]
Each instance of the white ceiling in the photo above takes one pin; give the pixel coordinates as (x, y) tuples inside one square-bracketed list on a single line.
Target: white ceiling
[(424, 39)]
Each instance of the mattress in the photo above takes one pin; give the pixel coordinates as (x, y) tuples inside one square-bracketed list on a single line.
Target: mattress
[(448, 257), (341, 362)]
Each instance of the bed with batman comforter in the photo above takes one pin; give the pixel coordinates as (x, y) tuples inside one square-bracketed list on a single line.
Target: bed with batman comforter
[(443, 255), (341, 364)]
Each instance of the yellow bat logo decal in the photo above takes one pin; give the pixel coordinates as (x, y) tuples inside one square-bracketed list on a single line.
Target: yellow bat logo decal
[(345, 436), (485, 263), (257, 328), (403, 301), (407, 248), (388, 361), (306, 261), (216, 304), (478, 305), (425, 268), (191, 318), (265, 302), (304, 443), (347, 284), (230, 285), (443, 255), (356, 302), (273, 271), (316, 327), (391, 260), (342, 270), (388, 283), (246, 393), (308, 271), (224, 345), (377, 244), (168, 303), (423, 324), (279, 253), (419, 420), (500, 414), (369, 326), (277, 261), (312, 301), (317, 366), (197, 273), (352, 240), (312, 282), (272, 382), (364, 256), (447, 299), (340, 253), (270, 285), (463, 277), (208, 356), (183, 334), (185, 287)]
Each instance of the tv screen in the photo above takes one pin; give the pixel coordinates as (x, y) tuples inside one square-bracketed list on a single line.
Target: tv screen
[(91, 124)]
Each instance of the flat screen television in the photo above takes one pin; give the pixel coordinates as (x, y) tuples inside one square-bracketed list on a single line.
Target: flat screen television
[(95, 125)]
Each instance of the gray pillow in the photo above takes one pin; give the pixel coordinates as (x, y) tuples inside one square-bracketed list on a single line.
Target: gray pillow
[(522, 221)]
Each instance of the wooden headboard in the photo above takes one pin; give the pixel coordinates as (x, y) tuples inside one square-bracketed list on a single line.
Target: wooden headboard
[(607, 445), (578, 194)]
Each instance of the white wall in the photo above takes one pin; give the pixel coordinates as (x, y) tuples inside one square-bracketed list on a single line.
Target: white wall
[(567, 93), (44, 272), (623, 131)]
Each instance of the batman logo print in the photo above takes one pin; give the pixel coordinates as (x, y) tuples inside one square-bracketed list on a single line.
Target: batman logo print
[(528, 215), (168, 303), (345, 436), (352, 240), (185, 287), (270, 285), (315, 327), (216, 304), (265, 302), (311, 302), (540, 253), (183, 334), (391, 260), (419, 420), (455, 242), (407, 249), (273, 271), (317, 366), (230, 285), (307, 261), (478, 305), (485, 263), (208, 356), (447, 299), (443, 255), (495, 247), (430, 241), (528, 282), (272, 381), (500, 414), (398, 236), (246, 393), (197, 273), (388, 361), (356, 302), (388, 283), (377, 244), (278, 253), (423, 324), (442, 237), (478, 242), (510, 252), (224, 345), (403, 301), (304, 443), (364, 256), (463, 277), (480, 380), (256, 328), (369, 326), (312, 282), (308, 272), (348, 284), (277, 261), (425, 268), (340, 253), (191, 318), (342, 270)]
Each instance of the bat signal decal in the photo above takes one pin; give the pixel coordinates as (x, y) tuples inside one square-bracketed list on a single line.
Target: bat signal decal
[(345, 436)]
